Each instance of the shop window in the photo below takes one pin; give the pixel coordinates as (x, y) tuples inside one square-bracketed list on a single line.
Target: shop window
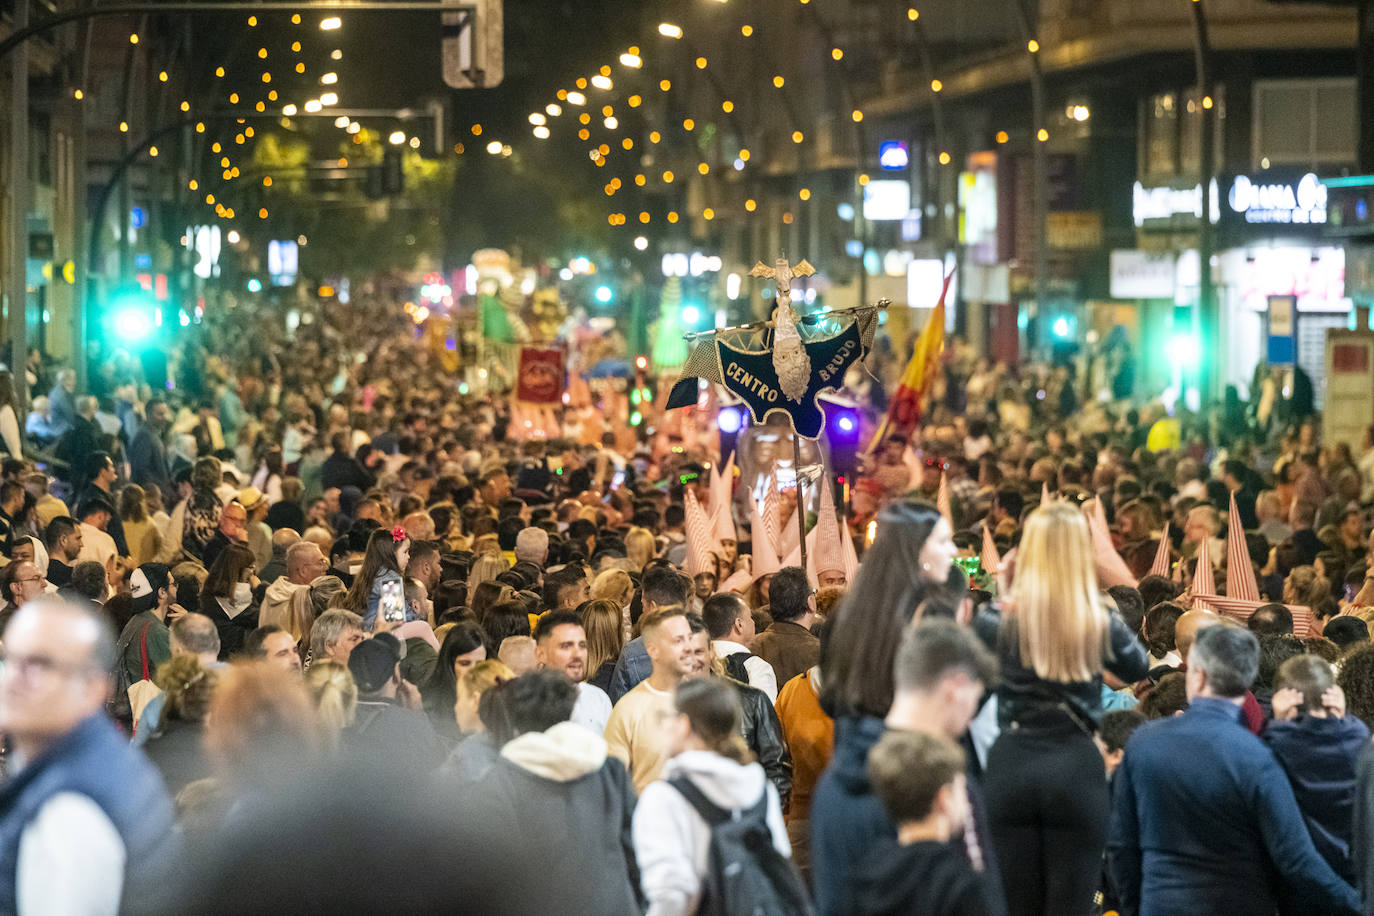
[(1161, 134), (1172, 131), (1304, 122)]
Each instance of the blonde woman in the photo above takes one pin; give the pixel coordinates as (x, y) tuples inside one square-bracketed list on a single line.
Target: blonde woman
[(603, 623), (336, 699), (640, 548), (485, 568), (1046, 787)]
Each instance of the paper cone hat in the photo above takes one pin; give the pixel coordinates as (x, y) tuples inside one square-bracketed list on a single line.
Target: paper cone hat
[(828, 555), (722, 483), (1240, 572), (1204, 580), (698, 528), (851, 556), (942, 499), (990, 560), (1111, 569), (772, 511), (766, 561), (738, 581), (1160, 567)]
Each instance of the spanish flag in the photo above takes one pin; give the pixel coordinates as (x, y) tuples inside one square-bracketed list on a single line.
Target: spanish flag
[(904, 411)]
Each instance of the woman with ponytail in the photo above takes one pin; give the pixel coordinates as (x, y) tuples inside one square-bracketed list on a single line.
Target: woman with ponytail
[(336, 699), (710, 762)]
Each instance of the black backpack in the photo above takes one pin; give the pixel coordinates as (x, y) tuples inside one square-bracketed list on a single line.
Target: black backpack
[(745, 874)]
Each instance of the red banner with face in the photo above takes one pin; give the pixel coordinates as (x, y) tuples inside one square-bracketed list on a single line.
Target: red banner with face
[(542, 378)]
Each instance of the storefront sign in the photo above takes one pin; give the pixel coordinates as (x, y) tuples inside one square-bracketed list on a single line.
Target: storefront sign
[(1265, 201), (888, 199), (893, 155), (1170, 205), (978, 208), (1281, 311), (1142, 275), (1075, 230), (1359, 272)]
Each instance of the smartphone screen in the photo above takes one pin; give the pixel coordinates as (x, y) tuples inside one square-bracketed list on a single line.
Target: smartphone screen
[(393, 603)]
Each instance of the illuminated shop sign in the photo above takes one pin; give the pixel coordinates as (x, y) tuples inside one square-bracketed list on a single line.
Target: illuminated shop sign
[(1258, 201)]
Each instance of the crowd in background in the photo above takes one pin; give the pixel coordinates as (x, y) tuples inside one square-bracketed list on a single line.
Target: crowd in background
[(307, 628)]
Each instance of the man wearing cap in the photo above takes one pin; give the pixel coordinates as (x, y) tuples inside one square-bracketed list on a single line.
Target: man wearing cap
[(387, 721), (145, 641), (259, 535)]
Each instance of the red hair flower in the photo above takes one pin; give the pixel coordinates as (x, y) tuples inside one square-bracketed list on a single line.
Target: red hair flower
[(398, 534)]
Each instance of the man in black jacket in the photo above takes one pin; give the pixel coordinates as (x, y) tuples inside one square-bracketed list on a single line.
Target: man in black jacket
[(760, 726)]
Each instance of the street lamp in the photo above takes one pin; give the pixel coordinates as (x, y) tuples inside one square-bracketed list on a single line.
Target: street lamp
[(668, 30), (331, 23)]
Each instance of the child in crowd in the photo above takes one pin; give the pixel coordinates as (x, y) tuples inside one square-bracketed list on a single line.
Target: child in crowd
[(1117, 727), (1319, 747), (920, 780)]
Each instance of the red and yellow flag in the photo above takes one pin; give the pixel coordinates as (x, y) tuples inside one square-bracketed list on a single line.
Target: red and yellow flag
[(904, 411)]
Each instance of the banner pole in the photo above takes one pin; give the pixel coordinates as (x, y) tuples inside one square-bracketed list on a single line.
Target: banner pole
[(801, 510)]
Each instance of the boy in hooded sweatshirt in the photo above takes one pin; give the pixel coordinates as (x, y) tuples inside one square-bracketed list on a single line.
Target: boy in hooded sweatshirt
[(920, 780), (1319, 747)]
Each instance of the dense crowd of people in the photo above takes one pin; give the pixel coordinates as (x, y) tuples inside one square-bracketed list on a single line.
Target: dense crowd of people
[(317, 631)]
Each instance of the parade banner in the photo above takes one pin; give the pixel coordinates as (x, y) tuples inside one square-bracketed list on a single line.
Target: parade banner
[(781, 366), (541, 377)]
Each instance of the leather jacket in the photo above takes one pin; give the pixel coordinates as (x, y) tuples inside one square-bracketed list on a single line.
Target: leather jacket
[(763, 733)]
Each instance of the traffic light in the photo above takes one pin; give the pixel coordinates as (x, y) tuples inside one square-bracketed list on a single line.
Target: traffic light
[(393, 175), (130, 315)]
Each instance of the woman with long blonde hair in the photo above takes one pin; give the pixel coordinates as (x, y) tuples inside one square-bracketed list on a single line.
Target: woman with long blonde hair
[(603, 623), (1046, 787)]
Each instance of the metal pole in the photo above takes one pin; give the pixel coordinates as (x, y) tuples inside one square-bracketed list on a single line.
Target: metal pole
[(1205, 317), (22, 34), (801, 505), (80, 245), (1364, 85), (19, 202)]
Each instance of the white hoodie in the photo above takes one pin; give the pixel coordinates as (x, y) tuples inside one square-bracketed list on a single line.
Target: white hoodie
[(671, 840)]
